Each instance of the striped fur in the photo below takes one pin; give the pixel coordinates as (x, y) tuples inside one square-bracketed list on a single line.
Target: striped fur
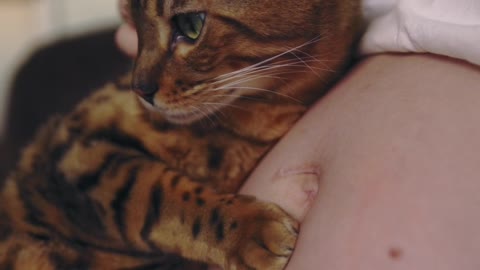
[(117, 185)]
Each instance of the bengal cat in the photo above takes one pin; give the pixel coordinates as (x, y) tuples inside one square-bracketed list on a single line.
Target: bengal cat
[(125, 180)]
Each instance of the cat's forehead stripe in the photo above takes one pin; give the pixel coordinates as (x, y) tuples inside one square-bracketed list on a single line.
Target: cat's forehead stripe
[(178, 3), (161, 6)]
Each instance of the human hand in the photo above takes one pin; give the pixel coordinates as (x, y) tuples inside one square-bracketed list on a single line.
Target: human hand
[(444, 27), (126, 36)]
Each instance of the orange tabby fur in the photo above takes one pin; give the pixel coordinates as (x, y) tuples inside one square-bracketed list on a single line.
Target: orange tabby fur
[(118, 183)]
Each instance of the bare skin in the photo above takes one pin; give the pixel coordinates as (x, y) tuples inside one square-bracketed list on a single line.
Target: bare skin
[(394, 149), (124, 40), (383, 171), (126, 36)]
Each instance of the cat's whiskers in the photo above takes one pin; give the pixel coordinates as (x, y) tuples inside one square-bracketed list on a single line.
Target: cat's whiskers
[(257, 89), (306, 64), (250, 71), (238, 97), (219, 105), (323, 62), (235, 85), (267, 73), (214, 111), (280, 64), (205, 114), (272, 71), (312, 41), (211, 109), (265, 69), (245, 79)]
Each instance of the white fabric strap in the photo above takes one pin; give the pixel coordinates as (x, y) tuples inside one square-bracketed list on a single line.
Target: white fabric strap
[(376, 8), (446, 27)]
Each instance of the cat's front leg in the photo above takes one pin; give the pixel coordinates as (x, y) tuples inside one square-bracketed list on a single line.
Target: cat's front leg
[(233, 231), (260, 235)]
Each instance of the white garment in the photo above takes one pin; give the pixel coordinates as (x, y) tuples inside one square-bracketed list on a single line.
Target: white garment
[(446, 27)]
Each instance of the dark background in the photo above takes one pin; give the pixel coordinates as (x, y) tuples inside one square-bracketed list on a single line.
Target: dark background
[(52, 81)]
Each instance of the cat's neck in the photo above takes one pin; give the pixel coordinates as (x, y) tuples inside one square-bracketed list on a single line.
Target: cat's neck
[(259, 121)]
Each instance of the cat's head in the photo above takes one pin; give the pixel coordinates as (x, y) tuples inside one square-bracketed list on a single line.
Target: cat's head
[(197, 56)]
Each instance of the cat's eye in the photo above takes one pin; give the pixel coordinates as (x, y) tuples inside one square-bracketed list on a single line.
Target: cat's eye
[(190, 25)]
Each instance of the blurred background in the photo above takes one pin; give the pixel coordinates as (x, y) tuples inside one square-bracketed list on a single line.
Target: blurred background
[(52, 53), (27, 24)]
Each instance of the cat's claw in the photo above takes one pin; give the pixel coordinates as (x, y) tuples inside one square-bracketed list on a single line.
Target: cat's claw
[(267, 242)]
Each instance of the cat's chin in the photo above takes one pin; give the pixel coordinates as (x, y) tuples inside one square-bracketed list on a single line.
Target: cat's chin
[(179, 117), (183, 118)]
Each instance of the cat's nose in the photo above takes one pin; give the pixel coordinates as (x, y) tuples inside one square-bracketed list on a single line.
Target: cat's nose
[(146, 91)]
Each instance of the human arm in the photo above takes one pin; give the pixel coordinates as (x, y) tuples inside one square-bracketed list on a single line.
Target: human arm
[(395, 150)]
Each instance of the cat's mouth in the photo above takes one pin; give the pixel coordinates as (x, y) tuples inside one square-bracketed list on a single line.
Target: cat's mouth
[(182, 116)]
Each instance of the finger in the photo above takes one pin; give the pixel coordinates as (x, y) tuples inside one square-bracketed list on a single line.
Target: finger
[(124, 11), (126, 40)]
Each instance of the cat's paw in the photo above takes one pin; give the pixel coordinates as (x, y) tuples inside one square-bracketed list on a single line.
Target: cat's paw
[(266, 240)]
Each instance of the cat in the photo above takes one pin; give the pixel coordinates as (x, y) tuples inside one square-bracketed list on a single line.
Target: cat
[(130, 177)]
